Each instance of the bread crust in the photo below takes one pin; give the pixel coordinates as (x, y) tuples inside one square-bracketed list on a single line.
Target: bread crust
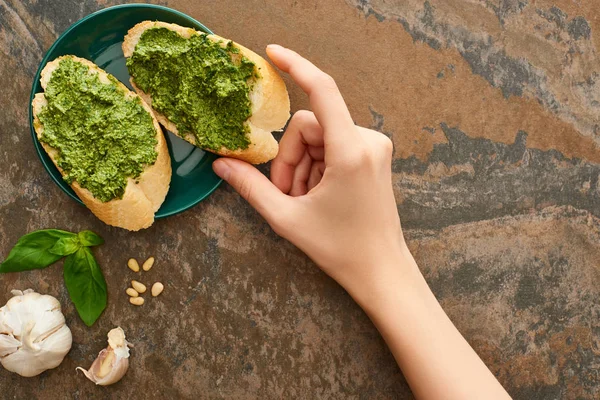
[(140, 201), (269, 98)]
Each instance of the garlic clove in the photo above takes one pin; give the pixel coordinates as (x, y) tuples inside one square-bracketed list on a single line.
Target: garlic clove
[(107, 368), (112, 363), (58, 339), (8, 345)]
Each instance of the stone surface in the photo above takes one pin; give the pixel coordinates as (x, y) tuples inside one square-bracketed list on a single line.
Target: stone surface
[(494, 110)]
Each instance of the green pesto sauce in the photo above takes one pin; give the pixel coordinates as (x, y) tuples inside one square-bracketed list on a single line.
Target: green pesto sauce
[(198, 85), (102, 137)]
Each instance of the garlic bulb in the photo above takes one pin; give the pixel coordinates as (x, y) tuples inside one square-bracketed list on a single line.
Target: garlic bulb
[(112, 362), (33, 334)]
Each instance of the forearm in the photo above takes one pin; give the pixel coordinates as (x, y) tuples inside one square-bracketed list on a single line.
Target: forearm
[(436, 360)]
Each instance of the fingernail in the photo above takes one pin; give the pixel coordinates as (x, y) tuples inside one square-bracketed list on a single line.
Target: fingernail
[(221, 168), (275, 47)]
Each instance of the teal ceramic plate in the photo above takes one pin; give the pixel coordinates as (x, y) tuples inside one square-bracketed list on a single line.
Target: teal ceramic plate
[(98, 38)]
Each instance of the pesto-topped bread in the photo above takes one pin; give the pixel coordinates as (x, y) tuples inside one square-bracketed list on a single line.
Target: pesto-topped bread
[(104, 140), (212, 92)]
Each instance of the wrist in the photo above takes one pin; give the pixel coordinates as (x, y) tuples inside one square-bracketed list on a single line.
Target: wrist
[(395, 281)]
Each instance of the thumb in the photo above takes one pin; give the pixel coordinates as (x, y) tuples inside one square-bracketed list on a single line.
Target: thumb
[(252, 185)]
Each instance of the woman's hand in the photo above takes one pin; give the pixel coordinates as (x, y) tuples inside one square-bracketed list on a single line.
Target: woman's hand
[(331, 191), (331, 195)]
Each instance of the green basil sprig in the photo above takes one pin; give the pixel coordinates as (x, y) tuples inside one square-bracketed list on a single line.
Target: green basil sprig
[(83, 277)]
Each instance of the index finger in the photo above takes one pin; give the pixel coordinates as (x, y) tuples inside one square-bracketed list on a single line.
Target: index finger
[(325, 98)]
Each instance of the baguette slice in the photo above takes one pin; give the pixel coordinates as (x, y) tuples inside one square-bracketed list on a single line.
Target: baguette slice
[(269, 98), (140, 201)]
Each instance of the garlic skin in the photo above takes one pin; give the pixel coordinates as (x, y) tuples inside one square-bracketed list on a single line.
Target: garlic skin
[(33, 333), (112, 362)]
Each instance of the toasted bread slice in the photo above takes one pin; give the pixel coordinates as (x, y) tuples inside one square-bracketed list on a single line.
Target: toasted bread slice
[(140, 200), (269, 97)]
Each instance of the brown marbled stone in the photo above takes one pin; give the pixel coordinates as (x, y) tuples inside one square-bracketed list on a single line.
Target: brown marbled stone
[(493, 107)]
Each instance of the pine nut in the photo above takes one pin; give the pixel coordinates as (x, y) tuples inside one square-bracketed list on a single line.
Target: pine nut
[(157, 289), (132, 292), (133, 265), (148, 264), (136, 301), (138, 286)]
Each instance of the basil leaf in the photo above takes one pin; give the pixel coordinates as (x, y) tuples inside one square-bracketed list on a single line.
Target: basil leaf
[(86, 284), (89, 238), (65, 246), (32, 251)]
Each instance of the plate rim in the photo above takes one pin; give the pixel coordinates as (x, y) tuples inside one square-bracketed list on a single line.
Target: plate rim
[(38, 147)]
